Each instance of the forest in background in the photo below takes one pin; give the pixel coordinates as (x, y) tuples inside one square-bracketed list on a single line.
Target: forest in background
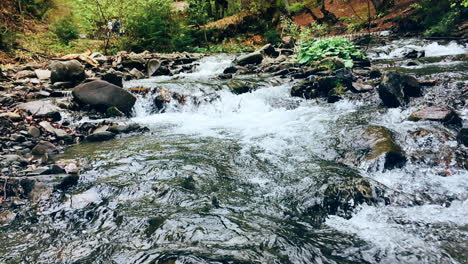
[(55, 27)]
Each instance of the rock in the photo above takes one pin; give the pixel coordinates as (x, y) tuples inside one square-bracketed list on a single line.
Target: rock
[(410, 53), (152, 67), (443, 114), (8, 160), (396, 89), (12, 116), (462, 136), (269, 50), (375, 73), (381, 143), (239, 87), (361, 87), (68, 182), (137, 74), (103, 94), (60, 133), (6, 217), (98, 57), (67, 71), (100, 136), (114, 112), (43, 74), (41, 109), (129, 128), (62, 85), (305, 89), (44, 148), (225, 76), (113, 77), (40, 192), (25, 74), (230, 69), (331, 64), (252, 58), (34, 132), (288, 42), (134, 61)]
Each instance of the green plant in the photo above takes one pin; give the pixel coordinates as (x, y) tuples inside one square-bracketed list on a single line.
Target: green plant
[(297, 7), (65, 30), (272, 36), (312, 51), (7, 39)]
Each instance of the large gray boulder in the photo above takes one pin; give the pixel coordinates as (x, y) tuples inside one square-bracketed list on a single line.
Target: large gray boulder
[(102, 95), (67, 71), (396, 89)]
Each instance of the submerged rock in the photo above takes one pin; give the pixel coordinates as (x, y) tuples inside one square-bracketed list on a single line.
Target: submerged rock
[(100, 136), (67, 71), (396, 89), (443, 114), (102, 95)]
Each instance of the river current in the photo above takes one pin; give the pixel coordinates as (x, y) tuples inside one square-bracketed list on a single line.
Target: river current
[(231, 178)]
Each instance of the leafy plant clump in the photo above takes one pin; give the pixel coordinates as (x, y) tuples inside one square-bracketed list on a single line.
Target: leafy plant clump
[(65, 30), (313, 51)]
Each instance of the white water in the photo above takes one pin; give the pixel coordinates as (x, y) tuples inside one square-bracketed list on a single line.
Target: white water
[(260, 119), (396, 49)]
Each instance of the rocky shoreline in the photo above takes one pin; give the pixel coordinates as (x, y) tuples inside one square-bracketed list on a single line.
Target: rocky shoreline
[(46, 107)]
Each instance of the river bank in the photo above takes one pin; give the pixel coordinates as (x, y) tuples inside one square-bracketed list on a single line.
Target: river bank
[(324, 141)]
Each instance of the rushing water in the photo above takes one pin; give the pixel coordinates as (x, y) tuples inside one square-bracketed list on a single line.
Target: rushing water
[(230, 180)]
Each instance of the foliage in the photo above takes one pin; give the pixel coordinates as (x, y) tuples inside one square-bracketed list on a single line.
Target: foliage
[(313, 50), (297, 7), (7, 39), (65, 30), (272, 36), (439, 18)]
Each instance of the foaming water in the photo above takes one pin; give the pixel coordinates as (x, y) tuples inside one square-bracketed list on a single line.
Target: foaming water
[(233, 179), (397, 49)]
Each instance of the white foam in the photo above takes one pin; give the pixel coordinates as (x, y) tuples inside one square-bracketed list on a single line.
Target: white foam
[(396, 49)]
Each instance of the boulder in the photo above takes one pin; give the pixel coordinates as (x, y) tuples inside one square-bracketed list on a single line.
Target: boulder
[(305, 89), (43, 74), (152, 66), (443, 114), (134, 61), (396, 89), (380, 142), (137, 74), (114, 77), (67, 71), (100, 136), (102, 95), (252, 58), (41, 109), (114, 112), (462, 136), (230, 70)]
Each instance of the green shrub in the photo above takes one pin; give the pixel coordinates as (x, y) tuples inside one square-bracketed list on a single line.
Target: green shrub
[(7, 39), (272, 36), (312, 51), (297, 7), (65, 30)]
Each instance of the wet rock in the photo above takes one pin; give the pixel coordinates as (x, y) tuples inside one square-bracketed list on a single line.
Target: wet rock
[(60, 133), (380, 142), (252, 58), (100, 136), (240, 87), (225, 76), (7, 217), (101, 94), (113, 77), (305, 89), (230, 70), (127, 128), (114, 112), (396, 89), (45, 150), (137, 74), (269, 50), (68, 182), (11, 159), (41, 109), (67, 71), (443, 114), (375, 73), (43, 74), (462, 136), (34, 132), (413, 53)]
